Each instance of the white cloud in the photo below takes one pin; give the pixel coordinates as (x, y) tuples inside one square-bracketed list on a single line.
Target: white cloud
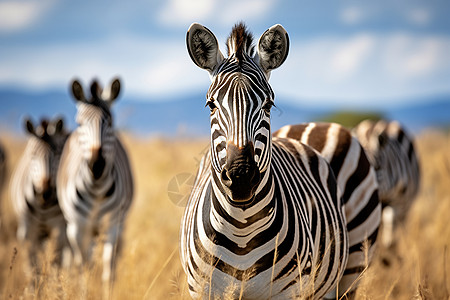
[(352, 70), (351, 15), (17, 15), (148, 69), (349, 56), (409, 57), (179, 13), (365, 69)]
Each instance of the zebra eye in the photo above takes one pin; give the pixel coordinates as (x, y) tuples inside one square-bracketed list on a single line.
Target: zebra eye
[(211, 105), (267, 106)]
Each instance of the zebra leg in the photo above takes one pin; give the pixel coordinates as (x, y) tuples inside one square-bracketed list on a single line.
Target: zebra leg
[(28, 234), (387, 226), (110, 253), (62, 249), (76, 235)]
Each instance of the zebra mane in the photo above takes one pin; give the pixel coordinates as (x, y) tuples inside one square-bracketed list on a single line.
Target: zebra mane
[(240, 42)]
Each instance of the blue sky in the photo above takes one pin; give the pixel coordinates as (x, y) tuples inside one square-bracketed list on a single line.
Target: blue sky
[(343, 53)]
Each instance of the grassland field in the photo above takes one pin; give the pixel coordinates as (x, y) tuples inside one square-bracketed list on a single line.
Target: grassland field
[(149, 267)]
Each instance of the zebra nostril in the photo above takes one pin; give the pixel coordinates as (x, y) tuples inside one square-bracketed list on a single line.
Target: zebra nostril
[(226, 180)]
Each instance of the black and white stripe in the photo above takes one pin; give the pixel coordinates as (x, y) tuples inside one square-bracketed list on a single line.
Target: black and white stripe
[(264, 219), (33, 189), (95, 184), (357, 183), (390, 149)]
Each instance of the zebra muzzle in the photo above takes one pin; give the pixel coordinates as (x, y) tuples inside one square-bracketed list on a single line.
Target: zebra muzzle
[(240, 175), (97, 163)]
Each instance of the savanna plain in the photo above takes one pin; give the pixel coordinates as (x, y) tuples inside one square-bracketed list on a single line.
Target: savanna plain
[(149, 266)]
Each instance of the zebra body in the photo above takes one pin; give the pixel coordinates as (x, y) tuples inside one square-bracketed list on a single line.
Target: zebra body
[(390, 150), (357, 184), (95, 183), (33, 189), (264, 219)]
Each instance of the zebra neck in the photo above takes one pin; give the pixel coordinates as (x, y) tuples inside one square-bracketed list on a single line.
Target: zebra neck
[(96, 188), (260, 207)]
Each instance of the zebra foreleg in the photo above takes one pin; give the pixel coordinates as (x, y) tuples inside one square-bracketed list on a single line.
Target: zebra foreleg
[(110, 254), (79, 242)]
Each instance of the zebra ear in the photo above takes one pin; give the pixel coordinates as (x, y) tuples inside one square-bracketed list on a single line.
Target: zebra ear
[(203, 47), (77, 91), (382, 139), (29, 127), (114, 89), (273, 48), (57, 125)]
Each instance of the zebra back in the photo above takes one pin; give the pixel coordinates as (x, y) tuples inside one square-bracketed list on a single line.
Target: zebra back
[(357, 187)]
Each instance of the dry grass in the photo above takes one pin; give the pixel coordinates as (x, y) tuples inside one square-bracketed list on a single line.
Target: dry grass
[(150, 268)]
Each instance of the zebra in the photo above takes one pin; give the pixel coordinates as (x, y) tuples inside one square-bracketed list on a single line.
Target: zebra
[(357, 183), (390, 150), (95, 183), (264, 219), (33, 190)]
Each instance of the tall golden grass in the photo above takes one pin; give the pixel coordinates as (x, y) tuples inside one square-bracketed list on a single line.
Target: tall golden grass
[(149, 267)]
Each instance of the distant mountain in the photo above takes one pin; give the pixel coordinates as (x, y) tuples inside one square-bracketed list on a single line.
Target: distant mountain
[(187, 117)]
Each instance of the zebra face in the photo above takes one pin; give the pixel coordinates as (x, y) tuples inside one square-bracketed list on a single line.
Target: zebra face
[(240, 99), (45, 147), (95, 131)]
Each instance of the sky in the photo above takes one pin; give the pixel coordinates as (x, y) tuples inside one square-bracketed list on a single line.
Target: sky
[(346, 53)]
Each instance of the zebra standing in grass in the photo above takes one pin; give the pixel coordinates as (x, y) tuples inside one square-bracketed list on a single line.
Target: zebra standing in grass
[(264, 219), (357, 183), (391, 151), (33, 189), (95, 184)]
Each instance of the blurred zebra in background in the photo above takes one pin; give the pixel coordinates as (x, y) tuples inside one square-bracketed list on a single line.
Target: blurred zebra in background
[(264, 220), (33, 189), (390, 150), (357, 183), (3, 171), (95, 184)]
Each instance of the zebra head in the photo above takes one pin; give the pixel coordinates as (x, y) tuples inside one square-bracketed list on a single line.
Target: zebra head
[(96, 132), (385, 153), (240, 99), (45, 147)]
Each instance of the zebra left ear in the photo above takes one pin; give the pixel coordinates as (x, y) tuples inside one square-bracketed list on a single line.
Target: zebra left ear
[(29, 127), (114, 89), (273, 48)]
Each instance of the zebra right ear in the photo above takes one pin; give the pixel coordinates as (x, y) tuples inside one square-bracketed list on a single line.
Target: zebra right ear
[(203, 47), (77, 91), (56, 126)]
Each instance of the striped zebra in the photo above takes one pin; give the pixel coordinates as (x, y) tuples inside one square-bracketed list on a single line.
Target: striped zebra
[(264, 220), (33, 189), (390, 150), (95, 184), (357, 184)]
